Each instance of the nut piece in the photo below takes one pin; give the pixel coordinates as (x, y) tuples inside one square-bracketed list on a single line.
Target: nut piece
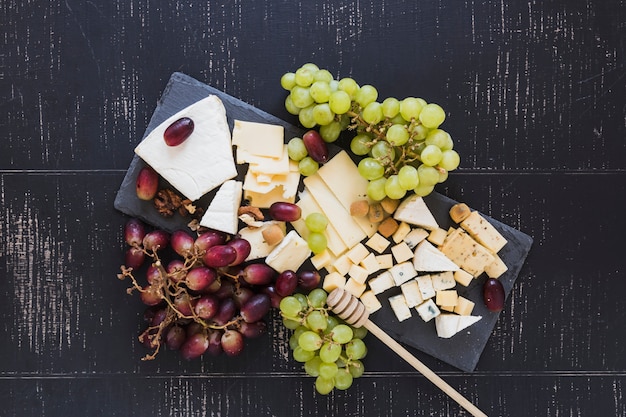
[(252, 211), (389, 205), (272, 234), (167, 202), (359, 208), (459, 212), (376, 213)]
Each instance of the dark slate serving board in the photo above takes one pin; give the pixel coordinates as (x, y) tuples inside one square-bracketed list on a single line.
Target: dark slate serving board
[(461, 351)]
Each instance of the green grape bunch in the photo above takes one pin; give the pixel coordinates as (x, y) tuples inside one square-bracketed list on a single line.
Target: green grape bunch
[(330, 349), (402, 146)]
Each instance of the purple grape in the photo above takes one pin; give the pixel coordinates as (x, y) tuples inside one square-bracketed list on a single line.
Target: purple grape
[(232, 342), (193, 328), (214, 287), (176, 270), (159, 317), (309, 280), (242, 247), (175, 337), (207, 306), (285, 212), (182, 243), (242, 295), (219, 256), (184, 304), (147, 183), (286, 283), (315, 146), (226, 312), (226, 290), (493, 295), (151, 295), (134, 232), (134, 258), (258, 274), (200, 278), (178, 131), (275, 298), (215, 343), (253, 330), (256, 307), (209, 239), (194, 346), (157, 239), (153, 275)]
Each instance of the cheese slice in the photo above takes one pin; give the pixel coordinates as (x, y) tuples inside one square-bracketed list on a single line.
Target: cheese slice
[(448, 325), (271, 166), (429, 259), (259, 139), (289, 254), (413, 210), (222, 211), (203, 161)]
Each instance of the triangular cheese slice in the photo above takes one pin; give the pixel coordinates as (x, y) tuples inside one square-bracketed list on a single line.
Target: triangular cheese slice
[(429, 259), (467, 321), (414, 211), (448, 325), (203, 161), (222, 212)]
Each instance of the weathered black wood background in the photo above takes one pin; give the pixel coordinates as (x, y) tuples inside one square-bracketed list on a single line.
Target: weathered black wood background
[(536, 100)]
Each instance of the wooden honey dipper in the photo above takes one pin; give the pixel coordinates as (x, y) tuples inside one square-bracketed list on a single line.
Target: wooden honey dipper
[(353, 312)]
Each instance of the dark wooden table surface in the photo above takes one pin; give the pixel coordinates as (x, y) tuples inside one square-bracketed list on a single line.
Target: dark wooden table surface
[(536, 102)]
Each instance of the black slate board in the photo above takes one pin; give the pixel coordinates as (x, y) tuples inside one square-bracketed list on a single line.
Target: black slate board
[(461, 351)]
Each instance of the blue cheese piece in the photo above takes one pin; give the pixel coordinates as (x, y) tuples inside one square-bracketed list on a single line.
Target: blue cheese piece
[(425, 285), (290, 253), (222, 212), (203, 161), (443, 280), (402, 272), (428, 310)]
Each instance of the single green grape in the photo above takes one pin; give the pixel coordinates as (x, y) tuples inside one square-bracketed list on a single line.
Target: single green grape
[(320, 91), (312, 366), (323, 75), (304, 76), (328, 369), (432, 115), (407, 177), (423, 190), (293, 342), (437, 137), (340, 102), (316, 321), (420, 132), (383, 150), (355, 349), (342, 333), (397, 134), (410, 108), (311, 67), (343, 379), (317, 242), (317, 298), (329, 352), (349, 86), (373, 113), (301, 97), (316, 222), (308, 166), (370, 169), (359, 144), (310, 341), (391, 107), (291, 324), (324, 385), (356, 368), (365, 95), (393, 189), (302, 355), (291, 108), (306, 117), (334, 85), (359, 332), (296, 149), (450, 160), (376, 189), (322, 114), (431, 155), (299, 330), (332, 322), (304, 302), (290, 306), (427, 175), (288, 81), (331, 131), (443, 175)]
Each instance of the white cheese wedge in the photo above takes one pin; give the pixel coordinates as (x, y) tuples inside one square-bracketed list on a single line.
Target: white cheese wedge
[(254, 235), (399, 307), (429, 259), (428, 310), (222, 211), (413, 210), (290, 253), (448, 325), (203, 161), (259, 139)]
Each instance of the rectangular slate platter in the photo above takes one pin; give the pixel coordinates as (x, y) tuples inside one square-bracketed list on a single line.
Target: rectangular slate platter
[(461, 351)]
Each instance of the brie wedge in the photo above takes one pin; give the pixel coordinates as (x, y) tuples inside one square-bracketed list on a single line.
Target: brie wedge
[(222, 212)]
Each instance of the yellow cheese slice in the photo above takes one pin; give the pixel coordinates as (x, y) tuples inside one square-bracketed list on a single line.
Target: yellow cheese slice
[(259, 139)]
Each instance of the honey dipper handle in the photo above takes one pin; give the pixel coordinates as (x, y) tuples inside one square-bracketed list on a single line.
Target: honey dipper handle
[(423, 369)]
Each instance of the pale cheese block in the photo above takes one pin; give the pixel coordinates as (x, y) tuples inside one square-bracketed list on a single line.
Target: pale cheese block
[(290, 253), (370, 301), (483, 231), (378, 242), (412, 293), (463, 277), (259, 139), (258, 246), (401, 232), (203, 161), (370, 263), (429, 259), (384, 261), (413, 210), (338, 216), (415, 236), (399, 307), (342, 264), (401, 252), (342, 177), (443, 280), (381, 283), (448, 325), (446, 298), (357, 253), (271, 166), (496, 268), (402, 272), (222, 211), (265, 200), (358, 273), (332, 281), (322, 260), (464, 306), (425, 285), (354, 287), (428, 310)]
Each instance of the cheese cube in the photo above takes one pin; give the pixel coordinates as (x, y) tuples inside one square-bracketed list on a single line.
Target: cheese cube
[(333, 281), (428, 310), (483, 231), (412, 293), (463, 277), (496, 268), (401, 252), (321, 260), (384, 261), (425, 285), (370, 301), (358, 273), (437, 236), (354, 287), (402, 272), (443, 280), (381, 283), (377, 242), (463, 306), (399, 307), (342, 264), (449, 309), (415, 236), (290, 253), (477, 260), (370, 264), (357, 253), (401, 232), (446, 298)]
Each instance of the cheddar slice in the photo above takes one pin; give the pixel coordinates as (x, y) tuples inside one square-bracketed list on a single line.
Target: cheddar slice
[(259, 139)]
